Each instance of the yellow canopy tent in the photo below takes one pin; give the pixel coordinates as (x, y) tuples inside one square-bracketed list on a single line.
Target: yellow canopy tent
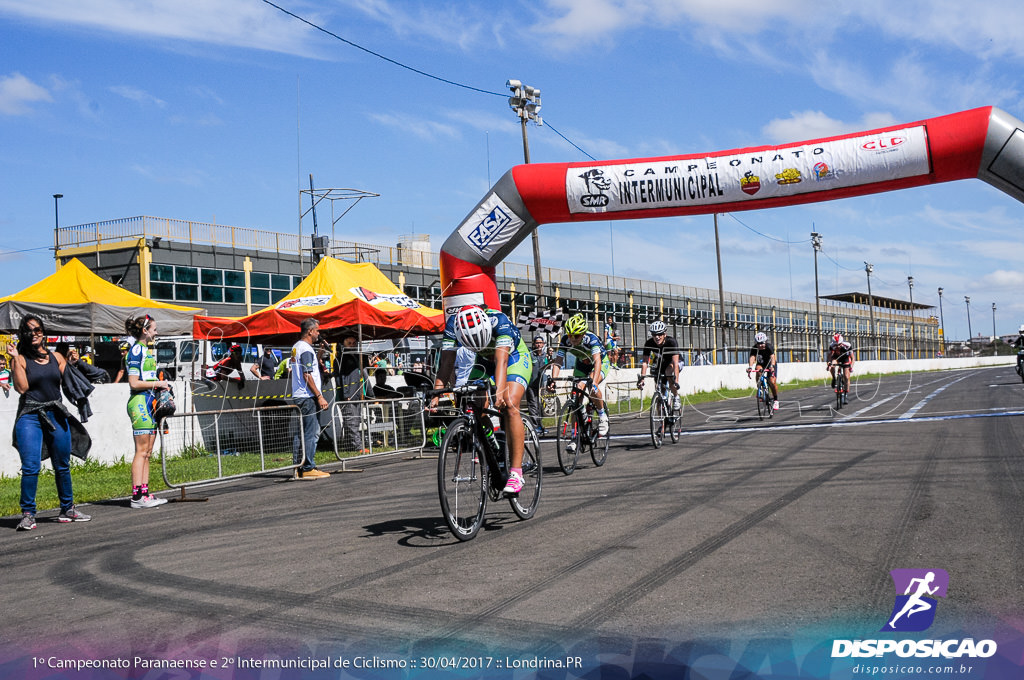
[(341, 295), (75, 301)]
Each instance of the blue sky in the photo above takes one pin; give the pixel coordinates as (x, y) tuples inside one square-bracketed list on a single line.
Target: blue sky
[(218, 111)]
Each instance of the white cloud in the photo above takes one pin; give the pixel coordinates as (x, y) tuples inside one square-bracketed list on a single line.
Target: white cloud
[(802, 125), (235, 23), (138, 96), (18, 93), (416, 125), (1004, 280)]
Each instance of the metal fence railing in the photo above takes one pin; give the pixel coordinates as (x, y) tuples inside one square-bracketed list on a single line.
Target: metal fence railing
[(212, 446), (377, 427)]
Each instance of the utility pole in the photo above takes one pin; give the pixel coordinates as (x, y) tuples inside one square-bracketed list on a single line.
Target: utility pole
[(868, 267), (913, 337), (721, 294), (942, 325), (525, 101), (816, 243), (970, 333)]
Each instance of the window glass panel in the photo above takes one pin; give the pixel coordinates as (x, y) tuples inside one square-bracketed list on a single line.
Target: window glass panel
[(213, 294), (296, 280), (260, 298), (188, 350), (281, 282), (236, 279), (259, 280), (186, 274), (161, 272), (277, 295), (213, 277), (234, 295), (186, 293), (161, 291)]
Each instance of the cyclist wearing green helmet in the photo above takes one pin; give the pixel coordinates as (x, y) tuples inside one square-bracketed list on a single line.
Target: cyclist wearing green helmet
[(591, 359)]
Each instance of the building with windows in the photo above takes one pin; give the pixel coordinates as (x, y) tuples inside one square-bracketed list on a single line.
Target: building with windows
[(234, 271)]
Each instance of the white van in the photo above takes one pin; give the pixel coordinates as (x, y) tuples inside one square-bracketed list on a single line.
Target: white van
[(183, 358)]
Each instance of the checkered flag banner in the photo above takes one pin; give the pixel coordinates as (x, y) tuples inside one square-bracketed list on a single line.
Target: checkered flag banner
[(549, 321)]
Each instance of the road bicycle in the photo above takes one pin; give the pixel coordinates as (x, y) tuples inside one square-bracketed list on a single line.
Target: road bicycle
[(473, 464), (663, 413), (575, 428), (842, 387), (765, 401)]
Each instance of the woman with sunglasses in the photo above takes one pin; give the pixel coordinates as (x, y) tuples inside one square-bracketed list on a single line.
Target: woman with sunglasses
[(43, 421), (142, 379)]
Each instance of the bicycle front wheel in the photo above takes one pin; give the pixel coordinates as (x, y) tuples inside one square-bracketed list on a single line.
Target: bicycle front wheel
[(525, 504), (675, 422), (762, 407), (657, 417), (462, 480), (599, 448), (568, 439)]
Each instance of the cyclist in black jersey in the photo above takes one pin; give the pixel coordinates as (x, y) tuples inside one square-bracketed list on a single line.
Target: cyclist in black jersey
[(666, 359), (762, 355)]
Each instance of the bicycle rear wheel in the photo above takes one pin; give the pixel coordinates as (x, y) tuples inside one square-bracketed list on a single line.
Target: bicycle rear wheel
[(657, 417), (462, 480), (525, 504), (567, 439)]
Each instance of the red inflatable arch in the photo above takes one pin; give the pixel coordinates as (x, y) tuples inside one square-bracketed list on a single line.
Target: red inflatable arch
[(986, 143)]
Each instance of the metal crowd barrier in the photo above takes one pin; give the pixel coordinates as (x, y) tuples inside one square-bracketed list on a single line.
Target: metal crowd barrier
[(209, 446), (368, 428)]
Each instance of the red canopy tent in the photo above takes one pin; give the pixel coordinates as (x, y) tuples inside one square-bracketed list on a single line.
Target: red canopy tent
[(341, 295)]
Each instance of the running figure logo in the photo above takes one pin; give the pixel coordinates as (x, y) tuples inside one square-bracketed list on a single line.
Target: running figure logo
[(914, 609)]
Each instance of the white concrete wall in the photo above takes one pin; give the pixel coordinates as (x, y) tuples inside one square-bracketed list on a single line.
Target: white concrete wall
[(109, 426)]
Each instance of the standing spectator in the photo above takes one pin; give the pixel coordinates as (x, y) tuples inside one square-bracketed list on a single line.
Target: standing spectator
[(5, 375), (122, 372), (309, 397), (42, 427), (266, 366), (533, 401), (142, 379), (349, 390)]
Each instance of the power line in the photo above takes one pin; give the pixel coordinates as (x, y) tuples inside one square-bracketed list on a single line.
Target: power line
[(381, 56), (417, 71), (770, 238)]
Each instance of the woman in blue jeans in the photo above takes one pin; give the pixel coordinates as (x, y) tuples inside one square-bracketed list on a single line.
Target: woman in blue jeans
[(42, 421)]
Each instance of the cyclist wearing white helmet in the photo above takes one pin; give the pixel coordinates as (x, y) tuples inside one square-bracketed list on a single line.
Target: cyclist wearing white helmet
[(840, 354), (591, 359), (666, 358), (502, 356), (762, 358)]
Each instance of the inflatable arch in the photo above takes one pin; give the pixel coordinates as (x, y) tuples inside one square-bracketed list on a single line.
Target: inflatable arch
[(986, 143)]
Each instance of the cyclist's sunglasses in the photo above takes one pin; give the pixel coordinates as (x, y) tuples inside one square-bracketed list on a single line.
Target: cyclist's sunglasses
[(658, 335)]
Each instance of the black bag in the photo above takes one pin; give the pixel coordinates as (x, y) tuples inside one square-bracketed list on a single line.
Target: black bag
[(162, 404)]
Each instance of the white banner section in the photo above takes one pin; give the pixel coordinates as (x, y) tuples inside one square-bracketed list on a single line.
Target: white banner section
[(772, 172)]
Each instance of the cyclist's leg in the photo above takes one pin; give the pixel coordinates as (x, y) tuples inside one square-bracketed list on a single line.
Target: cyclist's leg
[(595, 394), (517, 379), (771, 383)]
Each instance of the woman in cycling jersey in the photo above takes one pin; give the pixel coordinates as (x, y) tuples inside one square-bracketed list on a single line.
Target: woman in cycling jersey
[(142, 379)]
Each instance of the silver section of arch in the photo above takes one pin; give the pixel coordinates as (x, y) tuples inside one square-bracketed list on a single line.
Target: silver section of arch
[(498, 223), (1002, 161)]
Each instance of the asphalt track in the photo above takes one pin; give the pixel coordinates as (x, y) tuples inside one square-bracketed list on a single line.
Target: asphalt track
[(746, 531)]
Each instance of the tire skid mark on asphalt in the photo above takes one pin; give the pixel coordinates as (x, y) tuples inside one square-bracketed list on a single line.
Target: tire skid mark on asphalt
[(600, 612), (121, 577), (614, 544), (890, 551)]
